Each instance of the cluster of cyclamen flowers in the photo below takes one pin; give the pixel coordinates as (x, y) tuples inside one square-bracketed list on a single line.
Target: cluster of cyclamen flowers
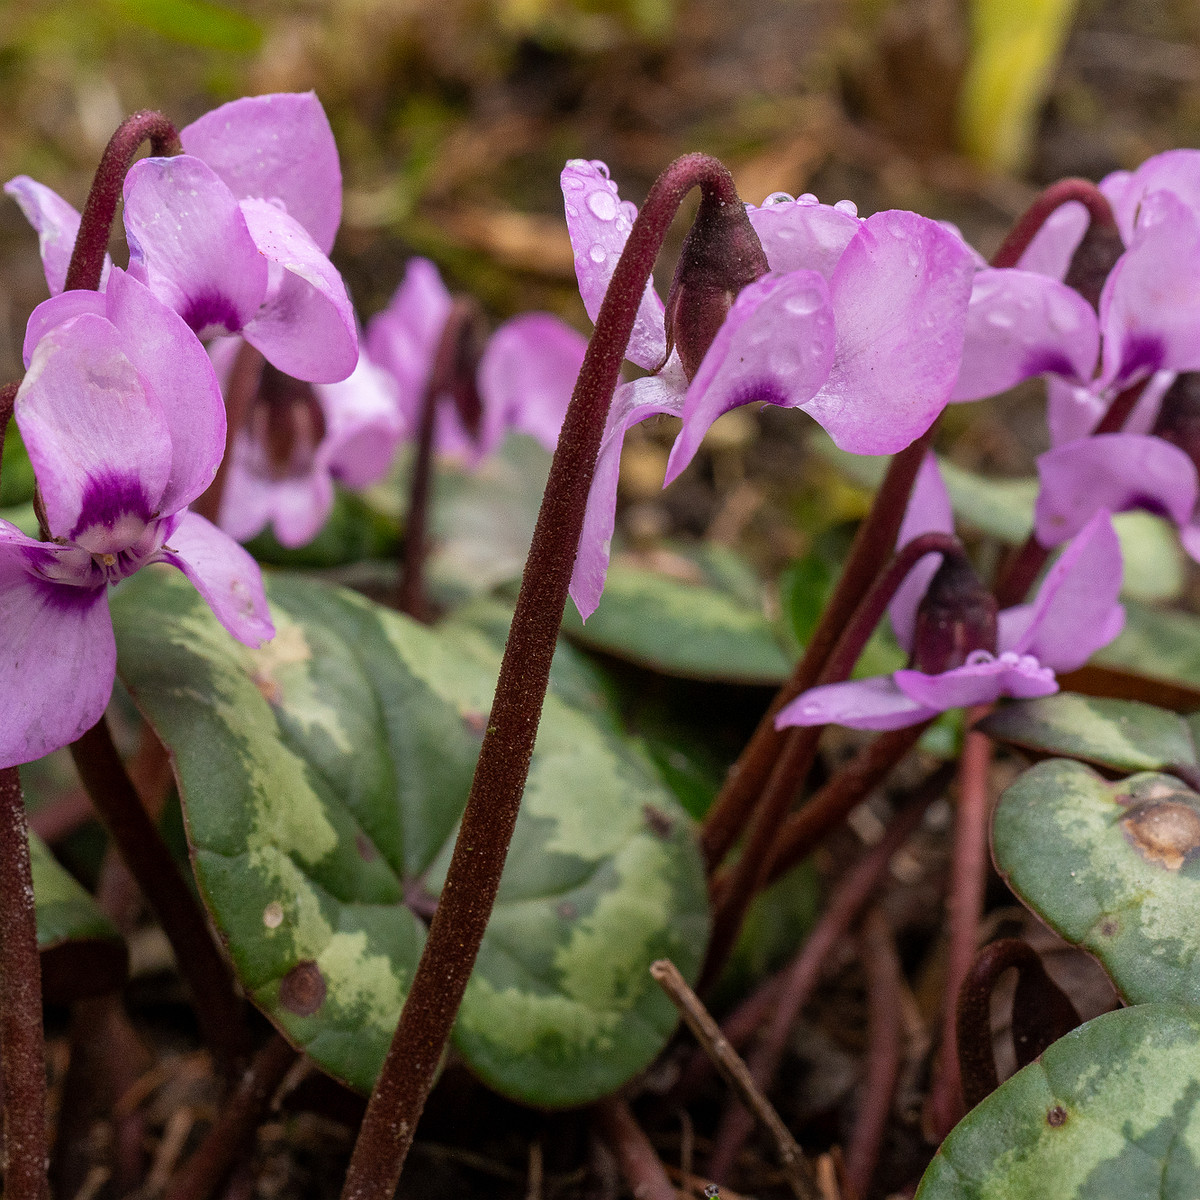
[(869, 325)]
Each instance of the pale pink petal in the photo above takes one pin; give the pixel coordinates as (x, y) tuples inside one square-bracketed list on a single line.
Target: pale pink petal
[(56, 311), (979, 682), (1020, 324), (189, 244), (1072, 409), (928, 512), (899, 296), (527, 375), (1054, 245), (801, 235), (633, 402), (599, 221), (306, 326), (1175, 171), (224, 574), (99, 443), (1145, 412), (363, 425), (775, 345), (57, 226), (280, 147), (875, 703), (59, 657)]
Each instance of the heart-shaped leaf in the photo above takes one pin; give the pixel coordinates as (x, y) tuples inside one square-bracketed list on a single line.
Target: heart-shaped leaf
[(322, 779), (1124, 734), (82, 952), (1112, 867), (1157, 643), (1108, 1112)]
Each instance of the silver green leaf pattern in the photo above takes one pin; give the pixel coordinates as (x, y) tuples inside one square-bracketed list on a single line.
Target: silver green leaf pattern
[(1112, 867), (322, 779), (1108, 1112)]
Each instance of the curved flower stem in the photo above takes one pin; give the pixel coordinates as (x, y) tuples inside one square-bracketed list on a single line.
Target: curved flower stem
[(968, 879), (22, 1041), (1035, 216), (204, 969), (801, 977), (87, 258), (487, 824), (641, 1166), (873, 543), (749, 873), (884, 978)]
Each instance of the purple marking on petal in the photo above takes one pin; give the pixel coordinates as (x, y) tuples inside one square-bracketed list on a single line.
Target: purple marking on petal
[(108, 500), (210, 312), (1140, 353), (1048, 362)]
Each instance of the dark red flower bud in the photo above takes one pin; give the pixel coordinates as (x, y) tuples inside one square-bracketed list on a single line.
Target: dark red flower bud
[(463, 341), (1179, 418), (956, 618), (1093, 259), (721, 255), (286, 419)]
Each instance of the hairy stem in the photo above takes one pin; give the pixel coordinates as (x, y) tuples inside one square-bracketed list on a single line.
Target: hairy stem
[(873, 543), (22, 1041), (87, 258), (1054, 197), (204, 969), (487, 824)]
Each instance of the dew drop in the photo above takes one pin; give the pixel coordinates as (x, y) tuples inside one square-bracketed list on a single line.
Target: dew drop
[(603, 205), (807, 198), (779, 198), (573, 182), (783, 360), (999, 319), (601, 168), (597, 253), (802, 303), (848, 207), (273, 915)]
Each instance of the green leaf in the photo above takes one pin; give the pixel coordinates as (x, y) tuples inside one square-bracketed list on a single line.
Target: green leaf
[(353, 532), (322, 778), (1156, 643), (16, 471), (1108, 1112), (679, 628), (1123, 734), (1112, 867), (82, 952)]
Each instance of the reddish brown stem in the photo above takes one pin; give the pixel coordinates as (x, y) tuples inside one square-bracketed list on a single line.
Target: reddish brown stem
[(968, 879), (205, 970), (91, 243), (641, 1166), (873, 543), (884, 979), (749, 873), (1054, 197), (22, 1041), (802, 976), (241, 1114), (482, 843)]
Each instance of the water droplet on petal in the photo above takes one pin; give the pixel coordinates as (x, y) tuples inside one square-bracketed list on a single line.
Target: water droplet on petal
[(999, 319), (573, 182), (597, 253), (807, 198), (603, 206), (779, 198), (847, 206), (803, 303)]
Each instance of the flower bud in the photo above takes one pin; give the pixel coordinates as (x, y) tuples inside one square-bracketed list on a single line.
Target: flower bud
[(1179, 417), (287, 421), (1092, 261), (721, 255), (956, 618)]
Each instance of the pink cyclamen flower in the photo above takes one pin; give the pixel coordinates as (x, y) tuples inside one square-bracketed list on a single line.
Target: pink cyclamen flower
[(298, 441), (234, 234), (858, 322), (124, 425), (1026, 322), (523, 380), (1074, 613)]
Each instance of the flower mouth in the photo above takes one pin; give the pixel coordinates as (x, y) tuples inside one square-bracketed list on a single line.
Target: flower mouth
[(286, 425)]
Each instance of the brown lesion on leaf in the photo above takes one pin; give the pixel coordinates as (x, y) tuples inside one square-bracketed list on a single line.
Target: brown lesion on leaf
[(270, 691), (365, 847), (1110, 927), (657, 821), (1163, 831), (302, 989), (1056, 1116)]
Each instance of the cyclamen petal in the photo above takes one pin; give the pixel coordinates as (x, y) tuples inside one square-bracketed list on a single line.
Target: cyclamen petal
[(598, 222), (363, 425), (802, 234), (277, 146), (1175, 171), (979, 682), (1051, 249), (57, 225), (875, 703)]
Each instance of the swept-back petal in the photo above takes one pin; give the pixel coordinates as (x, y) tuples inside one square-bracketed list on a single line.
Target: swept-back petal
[(928, 512), (633, 402), (775, 345), (99, 443), (1114, 472), (1053, 246), (1175, 171), (875, 703), (57, 226), (188, 243), (527, 375), (173, 365), (1150, 305), (899, 296), (1021, 324), (1075, 611), (276, 146), (800, 235), (306, 326), (224, 574), (980, 682), (363, 425), (58, 658), (599, 222)]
